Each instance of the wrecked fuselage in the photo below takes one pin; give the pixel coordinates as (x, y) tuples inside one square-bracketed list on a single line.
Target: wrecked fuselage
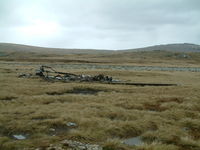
[(49, 73)]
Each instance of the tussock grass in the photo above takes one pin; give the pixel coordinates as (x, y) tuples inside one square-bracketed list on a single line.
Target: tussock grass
[(165, 117), (114, 144), (158, 146)]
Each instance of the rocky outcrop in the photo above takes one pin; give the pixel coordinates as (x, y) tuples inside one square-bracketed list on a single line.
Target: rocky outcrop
[(73, 145)]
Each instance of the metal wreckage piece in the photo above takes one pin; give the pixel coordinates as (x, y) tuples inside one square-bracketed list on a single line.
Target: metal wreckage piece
[(46, 73), (49, 74)]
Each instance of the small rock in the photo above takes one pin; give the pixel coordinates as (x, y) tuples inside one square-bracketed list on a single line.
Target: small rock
[(93, 147), (52, 129), (55, 147), (80, 146)]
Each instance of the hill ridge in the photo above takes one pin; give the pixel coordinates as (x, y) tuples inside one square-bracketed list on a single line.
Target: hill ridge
[(174, 47)]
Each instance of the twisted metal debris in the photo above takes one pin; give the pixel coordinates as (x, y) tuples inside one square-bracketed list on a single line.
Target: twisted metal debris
[(49, 73)]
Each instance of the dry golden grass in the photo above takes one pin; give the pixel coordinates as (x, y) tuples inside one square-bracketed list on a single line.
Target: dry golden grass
[(167, 118), (149, 58)]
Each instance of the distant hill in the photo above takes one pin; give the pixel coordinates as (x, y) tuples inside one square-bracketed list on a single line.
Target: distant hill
[(185, 53), (179, 47), (10, 47)]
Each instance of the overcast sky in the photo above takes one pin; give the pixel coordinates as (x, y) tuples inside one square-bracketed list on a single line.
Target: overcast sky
[(100, 24)]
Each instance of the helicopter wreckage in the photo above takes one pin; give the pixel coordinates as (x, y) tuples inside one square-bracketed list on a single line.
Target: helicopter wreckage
[(49, 74)]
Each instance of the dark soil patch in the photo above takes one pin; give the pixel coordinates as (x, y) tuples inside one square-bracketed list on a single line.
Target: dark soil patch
[(4, 131), (6, 70), (55, 93), (153, 107), (8, 98), (84, 91), (170, 99), (40, 118)]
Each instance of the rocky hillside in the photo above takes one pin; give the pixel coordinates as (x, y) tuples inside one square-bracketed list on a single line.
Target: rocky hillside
[(10, 47), (181, 47)]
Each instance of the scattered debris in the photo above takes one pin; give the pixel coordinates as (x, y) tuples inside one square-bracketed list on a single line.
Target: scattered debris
[(19, 137), (49, 74), (46, 73), (25, 75), (71, 124)]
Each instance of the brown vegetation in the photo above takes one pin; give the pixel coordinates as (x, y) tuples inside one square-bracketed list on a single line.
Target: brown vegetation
[(167, 118)]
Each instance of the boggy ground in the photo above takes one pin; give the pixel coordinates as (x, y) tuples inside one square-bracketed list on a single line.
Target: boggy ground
[(165, 118)]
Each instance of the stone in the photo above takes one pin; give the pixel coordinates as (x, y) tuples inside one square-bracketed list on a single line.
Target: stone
[(52, 129), (93, 147), (80, 146)]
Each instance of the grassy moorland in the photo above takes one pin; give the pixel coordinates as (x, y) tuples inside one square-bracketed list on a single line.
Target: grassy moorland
[(165, 118)]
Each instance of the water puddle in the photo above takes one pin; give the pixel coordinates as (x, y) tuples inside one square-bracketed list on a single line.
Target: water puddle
[(185, 129), (19, 137), (3, 54), (71, 124), (135, 141), (61, 130)]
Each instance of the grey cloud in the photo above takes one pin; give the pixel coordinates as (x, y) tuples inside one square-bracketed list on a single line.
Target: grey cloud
[(155, 12), (109, 24)]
